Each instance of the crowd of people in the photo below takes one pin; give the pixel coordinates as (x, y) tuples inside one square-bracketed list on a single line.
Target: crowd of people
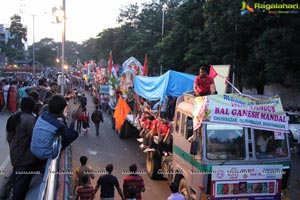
[(133, 183), (39, 116), (132, 188)]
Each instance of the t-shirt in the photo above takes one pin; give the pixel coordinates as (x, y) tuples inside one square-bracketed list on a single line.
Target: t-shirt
[(107, 183), (154, 125), (176, 196), (85, 192), (164, 128), (203, 84), (147, 124), (135, 181)]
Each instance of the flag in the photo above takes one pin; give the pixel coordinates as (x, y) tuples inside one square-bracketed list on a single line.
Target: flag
[(121, 112), (110, 63), (212, 72), (145, 68)]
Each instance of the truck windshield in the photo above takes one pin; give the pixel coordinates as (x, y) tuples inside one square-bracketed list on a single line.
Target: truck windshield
[(225, 142), (269, 144)]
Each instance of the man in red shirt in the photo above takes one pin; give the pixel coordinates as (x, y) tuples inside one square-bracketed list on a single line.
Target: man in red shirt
[(203, 84), (164, 134), (133, 182), (86, 190)]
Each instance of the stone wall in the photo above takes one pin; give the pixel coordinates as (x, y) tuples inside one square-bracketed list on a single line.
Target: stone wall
[(289, 97)]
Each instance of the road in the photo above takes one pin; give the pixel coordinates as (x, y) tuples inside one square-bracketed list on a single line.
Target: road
[(5, 166), (109, 148)]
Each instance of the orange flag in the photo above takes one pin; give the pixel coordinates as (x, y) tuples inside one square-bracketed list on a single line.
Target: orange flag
[(145, 67), (121, 112), (109, 67), (212, 72)]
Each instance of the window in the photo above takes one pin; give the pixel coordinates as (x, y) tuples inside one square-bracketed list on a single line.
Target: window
[(182, 125), (294, 118), (189, 128), (225, 142), (269, 144), (177, 122)]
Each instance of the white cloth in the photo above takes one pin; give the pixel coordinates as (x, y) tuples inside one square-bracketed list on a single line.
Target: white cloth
[(262, 143), (176, 196), (5, 92)]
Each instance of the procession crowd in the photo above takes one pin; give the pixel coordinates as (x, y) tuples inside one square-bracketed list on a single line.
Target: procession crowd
[(39, 116)]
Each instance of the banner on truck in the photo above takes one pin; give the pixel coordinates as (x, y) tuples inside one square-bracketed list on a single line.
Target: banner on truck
[(237, 109), (251, 181)]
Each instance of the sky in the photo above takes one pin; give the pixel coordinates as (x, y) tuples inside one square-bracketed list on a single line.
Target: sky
[(85, 18)]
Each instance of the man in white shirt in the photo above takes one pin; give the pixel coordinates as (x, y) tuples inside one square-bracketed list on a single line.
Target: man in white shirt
[(262, 142), (6, 87), (175, 195)]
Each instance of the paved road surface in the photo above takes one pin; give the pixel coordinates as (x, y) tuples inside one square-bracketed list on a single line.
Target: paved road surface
[(109, 148), (5, 166)]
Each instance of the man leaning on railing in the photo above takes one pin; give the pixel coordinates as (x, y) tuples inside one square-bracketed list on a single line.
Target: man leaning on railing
[(50, 124)]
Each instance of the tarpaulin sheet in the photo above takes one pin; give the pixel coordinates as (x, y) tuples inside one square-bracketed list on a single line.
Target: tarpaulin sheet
[(171, 83)]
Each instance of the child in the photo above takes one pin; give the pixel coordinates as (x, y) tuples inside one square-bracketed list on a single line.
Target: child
[(85, 120), (84, 192), (84, 169)]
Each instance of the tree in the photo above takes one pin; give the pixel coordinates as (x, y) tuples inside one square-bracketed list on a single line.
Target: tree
[(45, 51), (261, 48), (180, 46), (15, 46)]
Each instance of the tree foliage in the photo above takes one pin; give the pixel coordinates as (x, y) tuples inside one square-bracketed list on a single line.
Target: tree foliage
[(260, 47), (15, 46)]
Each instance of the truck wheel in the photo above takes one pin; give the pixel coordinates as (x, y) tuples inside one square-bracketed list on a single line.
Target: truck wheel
[(184, 189), (153, 165)]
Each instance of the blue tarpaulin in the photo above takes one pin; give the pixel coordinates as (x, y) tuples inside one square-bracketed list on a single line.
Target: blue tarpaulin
[(171, 83)]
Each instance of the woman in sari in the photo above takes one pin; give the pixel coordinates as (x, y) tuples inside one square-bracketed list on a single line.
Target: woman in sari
[(12, 97)]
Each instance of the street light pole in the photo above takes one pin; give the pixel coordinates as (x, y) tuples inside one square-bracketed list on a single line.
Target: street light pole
[(60, 14), (33, 49), (63, 48), (164, 9), (33, 39)]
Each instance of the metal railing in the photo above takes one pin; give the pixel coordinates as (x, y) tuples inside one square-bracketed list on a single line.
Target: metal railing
[(48, 187)]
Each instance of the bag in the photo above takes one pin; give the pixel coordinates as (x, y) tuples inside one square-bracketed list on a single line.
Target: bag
[(97, 116), (84, 117)]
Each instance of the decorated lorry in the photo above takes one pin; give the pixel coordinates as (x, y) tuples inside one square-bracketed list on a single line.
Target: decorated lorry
[(230, 146), (224, 146)]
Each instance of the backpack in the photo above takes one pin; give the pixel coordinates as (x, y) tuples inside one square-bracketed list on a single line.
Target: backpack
[(84, 116), (97, 116)]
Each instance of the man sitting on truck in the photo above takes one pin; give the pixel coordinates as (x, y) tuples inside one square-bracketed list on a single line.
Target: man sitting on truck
[(146, 128), (203, 85), (149, 137), (164, 135)]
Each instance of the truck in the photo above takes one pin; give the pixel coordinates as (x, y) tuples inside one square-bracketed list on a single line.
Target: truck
[(218, 151)]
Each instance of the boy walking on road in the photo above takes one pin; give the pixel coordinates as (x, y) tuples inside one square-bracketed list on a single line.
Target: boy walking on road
[(85, 192), (133, 181), (108, 182), (81, 171), (97, 117)]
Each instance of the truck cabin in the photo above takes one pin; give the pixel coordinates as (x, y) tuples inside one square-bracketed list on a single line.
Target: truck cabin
[(216, 144)]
